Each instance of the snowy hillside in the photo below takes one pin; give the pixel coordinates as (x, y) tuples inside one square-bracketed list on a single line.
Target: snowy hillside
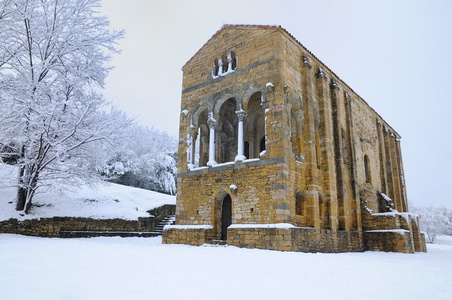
[(104, 201)]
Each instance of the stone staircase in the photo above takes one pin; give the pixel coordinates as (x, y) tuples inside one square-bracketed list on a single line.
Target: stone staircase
[(168, 220)]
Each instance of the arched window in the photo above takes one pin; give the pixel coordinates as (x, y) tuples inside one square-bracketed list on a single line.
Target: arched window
[(233, 60), (254, 127), (300, 204), (215, 67), (228, 134), (202, 140), (367, 168), (224, 60)]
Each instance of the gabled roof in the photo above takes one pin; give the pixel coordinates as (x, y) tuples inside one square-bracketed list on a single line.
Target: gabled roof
[(284, 31), (230, 26)]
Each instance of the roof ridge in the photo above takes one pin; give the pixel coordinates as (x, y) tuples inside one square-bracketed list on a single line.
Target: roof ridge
[(279, 27), (229, 26)]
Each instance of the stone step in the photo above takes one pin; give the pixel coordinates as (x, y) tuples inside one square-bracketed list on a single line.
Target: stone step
[(219, 242), (168, 220)]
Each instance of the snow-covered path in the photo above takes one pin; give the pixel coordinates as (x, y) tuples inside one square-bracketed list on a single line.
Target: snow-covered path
[(128, 268)]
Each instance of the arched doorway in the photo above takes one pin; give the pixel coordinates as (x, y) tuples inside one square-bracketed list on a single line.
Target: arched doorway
[(226, 216)]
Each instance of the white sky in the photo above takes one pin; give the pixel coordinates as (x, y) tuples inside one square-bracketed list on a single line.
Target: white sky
[(395, 54)]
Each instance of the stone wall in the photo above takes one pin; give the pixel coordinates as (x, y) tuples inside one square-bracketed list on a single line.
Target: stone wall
[(392, 231), (280, 237), (189, 235), (291, 238), (294, 239), (53, 227), (60, 226), (398, 240)]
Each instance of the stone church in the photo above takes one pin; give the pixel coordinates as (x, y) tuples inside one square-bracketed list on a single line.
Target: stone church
[(277, 152)]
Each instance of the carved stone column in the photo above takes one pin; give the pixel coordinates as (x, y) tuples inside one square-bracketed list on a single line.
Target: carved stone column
[(240, 116), (212, 123), (192, 132)]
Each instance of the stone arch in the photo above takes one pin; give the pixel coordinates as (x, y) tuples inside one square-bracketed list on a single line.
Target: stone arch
[(201, 135), (254, 88), (202, 146), (227, 131), (194, 115), (225, 97), (254, 127)]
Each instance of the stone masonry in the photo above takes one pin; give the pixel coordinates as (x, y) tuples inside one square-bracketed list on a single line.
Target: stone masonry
[(277, 152)]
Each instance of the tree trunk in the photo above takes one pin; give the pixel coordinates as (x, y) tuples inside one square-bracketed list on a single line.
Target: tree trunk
[(21, 197), (27, 206), (31, 190), (21, 190)]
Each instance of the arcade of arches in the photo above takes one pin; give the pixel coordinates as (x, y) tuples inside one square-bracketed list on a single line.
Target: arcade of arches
[(235, 133)]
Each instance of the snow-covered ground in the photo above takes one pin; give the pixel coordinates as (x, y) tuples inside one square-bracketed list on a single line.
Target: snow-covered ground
[(133, 268), (104, 201), (143, 268)]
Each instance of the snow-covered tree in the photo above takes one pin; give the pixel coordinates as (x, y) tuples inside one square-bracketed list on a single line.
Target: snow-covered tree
[(53, 62), (145, 158), (434, 221)]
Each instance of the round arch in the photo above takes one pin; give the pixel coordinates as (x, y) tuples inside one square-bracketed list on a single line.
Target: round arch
[(225, 97), (251, 91), (197, 110)]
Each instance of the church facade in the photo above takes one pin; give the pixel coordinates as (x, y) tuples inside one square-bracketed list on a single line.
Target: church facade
[(277, 152)]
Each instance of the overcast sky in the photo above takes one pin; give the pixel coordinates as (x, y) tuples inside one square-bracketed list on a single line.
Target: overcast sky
[(397, 55)]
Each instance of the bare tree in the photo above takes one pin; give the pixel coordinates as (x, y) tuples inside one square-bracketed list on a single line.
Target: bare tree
[(53, 62)]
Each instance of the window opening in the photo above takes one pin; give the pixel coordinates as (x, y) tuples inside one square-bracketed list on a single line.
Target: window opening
[(367, 168), (299, 204)]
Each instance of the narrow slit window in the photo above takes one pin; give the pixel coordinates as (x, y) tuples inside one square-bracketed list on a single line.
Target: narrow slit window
[(367, 168)]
